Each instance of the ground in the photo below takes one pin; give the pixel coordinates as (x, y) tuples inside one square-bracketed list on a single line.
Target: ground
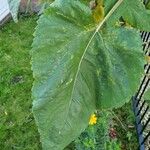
[(17, 127)]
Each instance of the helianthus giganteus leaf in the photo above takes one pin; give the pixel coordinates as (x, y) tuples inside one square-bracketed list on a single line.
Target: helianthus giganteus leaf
[(76, 74), (132, 11), (14, 6)]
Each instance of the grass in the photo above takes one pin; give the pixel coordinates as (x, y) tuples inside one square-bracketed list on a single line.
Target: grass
[(17, 127)]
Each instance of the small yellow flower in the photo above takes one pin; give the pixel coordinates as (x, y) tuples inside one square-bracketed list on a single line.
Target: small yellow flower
[(93, 119)]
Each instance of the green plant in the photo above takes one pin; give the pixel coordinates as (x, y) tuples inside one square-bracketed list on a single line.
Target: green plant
[(129, 135), (95, 137), (82, 63), (99, 136), (113, 145), (124, 125)]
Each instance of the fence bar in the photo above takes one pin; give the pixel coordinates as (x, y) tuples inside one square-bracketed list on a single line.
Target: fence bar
[(146, 137), (138, 101), (143, 82), (143, 114), (145, 125), (145, 86), (138, 126), (141, 108)]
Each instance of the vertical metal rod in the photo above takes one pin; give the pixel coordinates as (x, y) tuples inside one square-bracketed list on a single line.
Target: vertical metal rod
[(138, 126)]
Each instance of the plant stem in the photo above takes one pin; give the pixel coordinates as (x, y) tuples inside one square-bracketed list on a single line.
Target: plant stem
[(109, 14), (88, 44), (119, 121)]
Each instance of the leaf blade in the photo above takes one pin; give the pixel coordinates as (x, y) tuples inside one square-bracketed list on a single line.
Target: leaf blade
[(132, 11), (76, 109), (67, 67)]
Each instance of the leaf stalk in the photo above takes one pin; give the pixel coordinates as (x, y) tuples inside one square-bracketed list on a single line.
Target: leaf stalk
[(109, 14)]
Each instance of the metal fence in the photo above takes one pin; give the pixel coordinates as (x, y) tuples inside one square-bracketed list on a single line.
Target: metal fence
[(140, 107)]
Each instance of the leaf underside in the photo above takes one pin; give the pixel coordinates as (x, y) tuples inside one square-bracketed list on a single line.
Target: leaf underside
[(73, 76)]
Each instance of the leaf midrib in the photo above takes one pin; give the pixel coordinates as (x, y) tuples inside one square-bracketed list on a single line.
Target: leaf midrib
[(86, 48)]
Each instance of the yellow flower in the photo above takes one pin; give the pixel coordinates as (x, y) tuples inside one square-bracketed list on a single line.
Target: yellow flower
[(93, 119)]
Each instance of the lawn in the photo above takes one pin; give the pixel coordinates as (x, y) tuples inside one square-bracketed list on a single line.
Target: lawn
[(17, 127)]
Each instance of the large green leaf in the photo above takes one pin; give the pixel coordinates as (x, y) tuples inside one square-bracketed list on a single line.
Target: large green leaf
[(132, 11), (13, 6), (118, 74), (77, 71)]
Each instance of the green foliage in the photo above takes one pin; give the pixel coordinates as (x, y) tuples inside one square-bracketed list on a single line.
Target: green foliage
[(78, 70), (14, 6), (129, 135), (113, 145), (125, 126), (132, 11), (17, 127), (96, 137)]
